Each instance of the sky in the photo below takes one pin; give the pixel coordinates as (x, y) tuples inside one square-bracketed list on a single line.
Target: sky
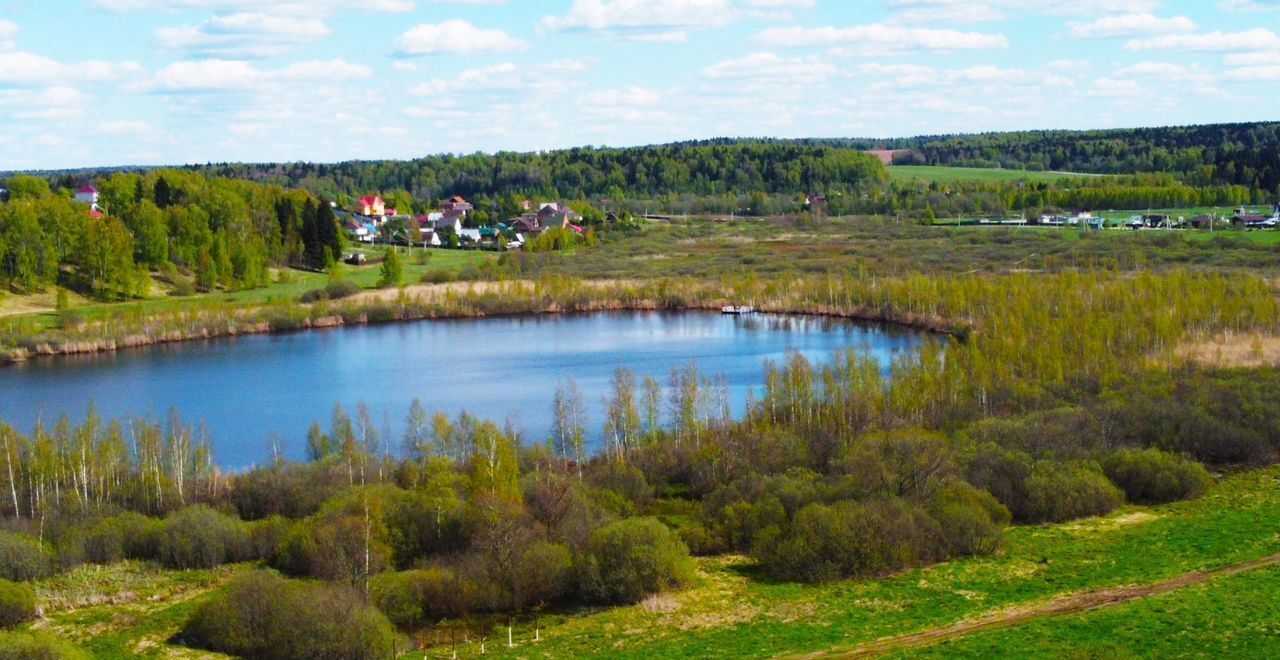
[(151, 82)]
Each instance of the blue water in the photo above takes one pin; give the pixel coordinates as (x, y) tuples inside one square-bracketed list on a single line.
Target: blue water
[(253, 391)]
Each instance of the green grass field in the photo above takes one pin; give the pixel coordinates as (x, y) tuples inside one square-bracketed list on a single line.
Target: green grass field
[(733, 612), (934, 174), (132, 609), (289, 285), (1235, 617)]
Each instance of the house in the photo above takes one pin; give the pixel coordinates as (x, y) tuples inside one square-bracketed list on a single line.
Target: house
[(1244, 218), (449, 220), (4, 194), (526, 224), (456, 203), (371, 206), (1201, 222), (94, 212), (815, 202), (87, 195), (555, 215), (469, 235)]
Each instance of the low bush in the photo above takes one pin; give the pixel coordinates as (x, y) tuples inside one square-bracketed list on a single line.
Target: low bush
[(630, 559), (972, 520), (262, 615), (1152, 476), (413, 598), (22, 557), (1057, 492), (17, 603), (33, 645), (333, 291), (850, 539), (201, 537)]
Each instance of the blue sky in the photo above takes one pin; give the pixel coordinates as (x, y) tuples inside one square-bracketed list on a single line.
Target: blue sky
[(111, 82)]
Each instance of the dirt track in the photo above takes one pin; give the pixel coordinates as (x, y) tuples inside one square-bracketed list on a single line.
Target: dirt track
[(1073, 603)]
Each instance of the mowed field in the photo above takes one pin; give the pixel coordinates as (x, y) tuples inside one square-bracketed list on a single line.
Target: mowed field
[(933, 174)]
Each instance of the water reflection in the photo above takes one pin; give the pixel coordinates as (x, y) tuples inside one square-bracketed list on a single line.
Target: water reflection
[(248, 388)]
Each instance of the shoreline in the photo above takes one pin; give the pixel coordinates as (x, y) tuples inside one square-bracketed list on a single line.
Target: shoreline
[(369, 312)]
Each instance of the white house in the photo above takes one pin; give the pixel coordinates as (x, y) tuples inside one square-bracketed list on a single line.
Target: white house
[(87, 195)]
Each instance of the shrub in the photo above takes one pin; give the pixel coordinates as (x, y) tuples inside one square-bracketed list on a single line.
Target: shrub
[(1057, 492), (1153, 477), (262, 615), (1003, 473), (341, 289), (907, 463), (17, 603), (33, 645), (200, 537), (630, 559), (335, 290), (972, 520), (412, 598), (849, 539), (22, 557)]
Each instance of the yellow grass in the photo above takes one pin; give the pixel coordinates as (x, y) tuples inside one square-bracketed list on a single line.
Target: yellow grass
[(1250, 350)]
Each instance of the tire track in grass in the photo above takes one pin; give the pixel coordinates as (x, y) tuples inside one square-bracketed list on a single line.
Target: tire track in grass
[(1066, 604)]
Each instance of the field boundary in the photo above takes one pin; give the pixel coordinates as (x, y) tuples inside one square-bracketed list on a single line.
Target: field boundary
[(1062, 605)]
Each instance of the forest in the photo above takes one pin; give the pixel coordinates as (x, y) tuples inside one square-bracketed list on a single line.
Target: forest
[(1244, 154), (837, 472), (196, 233)]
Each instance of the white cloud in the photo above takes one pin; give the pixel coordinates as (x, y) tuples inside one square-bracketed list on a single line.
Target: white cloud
[(1249, 5), (1217, 41), (1114, 87), (772, 66), (8, 30), (879, 38), (481, 84), (246, 34), (977, 11), (290, 7), (125, 127), (23, 68), (1255, 73), (1133, 25), (1068, 66), (48, 104), (1164, 71), (624, 16), (455, 36), (624, 97), (229, 75)]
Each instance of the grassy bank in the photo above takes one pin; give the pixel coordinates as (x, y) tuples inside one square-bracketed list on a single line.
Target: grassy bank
[(734, 612), (132, 609)]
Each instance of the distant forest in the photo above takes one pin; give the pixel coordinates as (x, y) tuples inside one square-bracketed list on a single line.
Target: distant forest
[(1197, 166), (1246, 155), (1238, 154)]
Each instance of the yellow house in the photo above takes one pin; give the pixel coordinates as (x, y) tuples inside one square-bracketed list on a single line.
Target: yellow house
[(371, 206)]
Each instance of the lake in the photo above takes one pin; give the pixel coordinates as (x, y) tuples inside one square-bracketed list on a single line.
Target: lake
[(254, 390)]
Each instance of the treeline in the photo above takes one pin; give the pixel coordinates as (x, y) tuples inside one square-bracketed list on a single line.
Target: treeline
[(194, 232), (1246, 154), (585, 172), (954, 199)]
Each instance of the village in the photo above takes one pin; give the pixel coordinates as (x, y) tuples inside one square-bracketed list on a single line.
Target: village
[(1241, 218), (371, 220)]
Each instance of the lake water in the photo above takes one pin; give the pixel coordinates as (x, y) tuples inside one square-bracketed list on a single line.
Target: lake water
[(249, 390)]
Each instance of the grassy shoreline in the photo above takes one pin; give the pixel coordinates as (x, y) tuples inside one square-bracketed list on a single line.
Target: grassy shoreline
[(476, 300)]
